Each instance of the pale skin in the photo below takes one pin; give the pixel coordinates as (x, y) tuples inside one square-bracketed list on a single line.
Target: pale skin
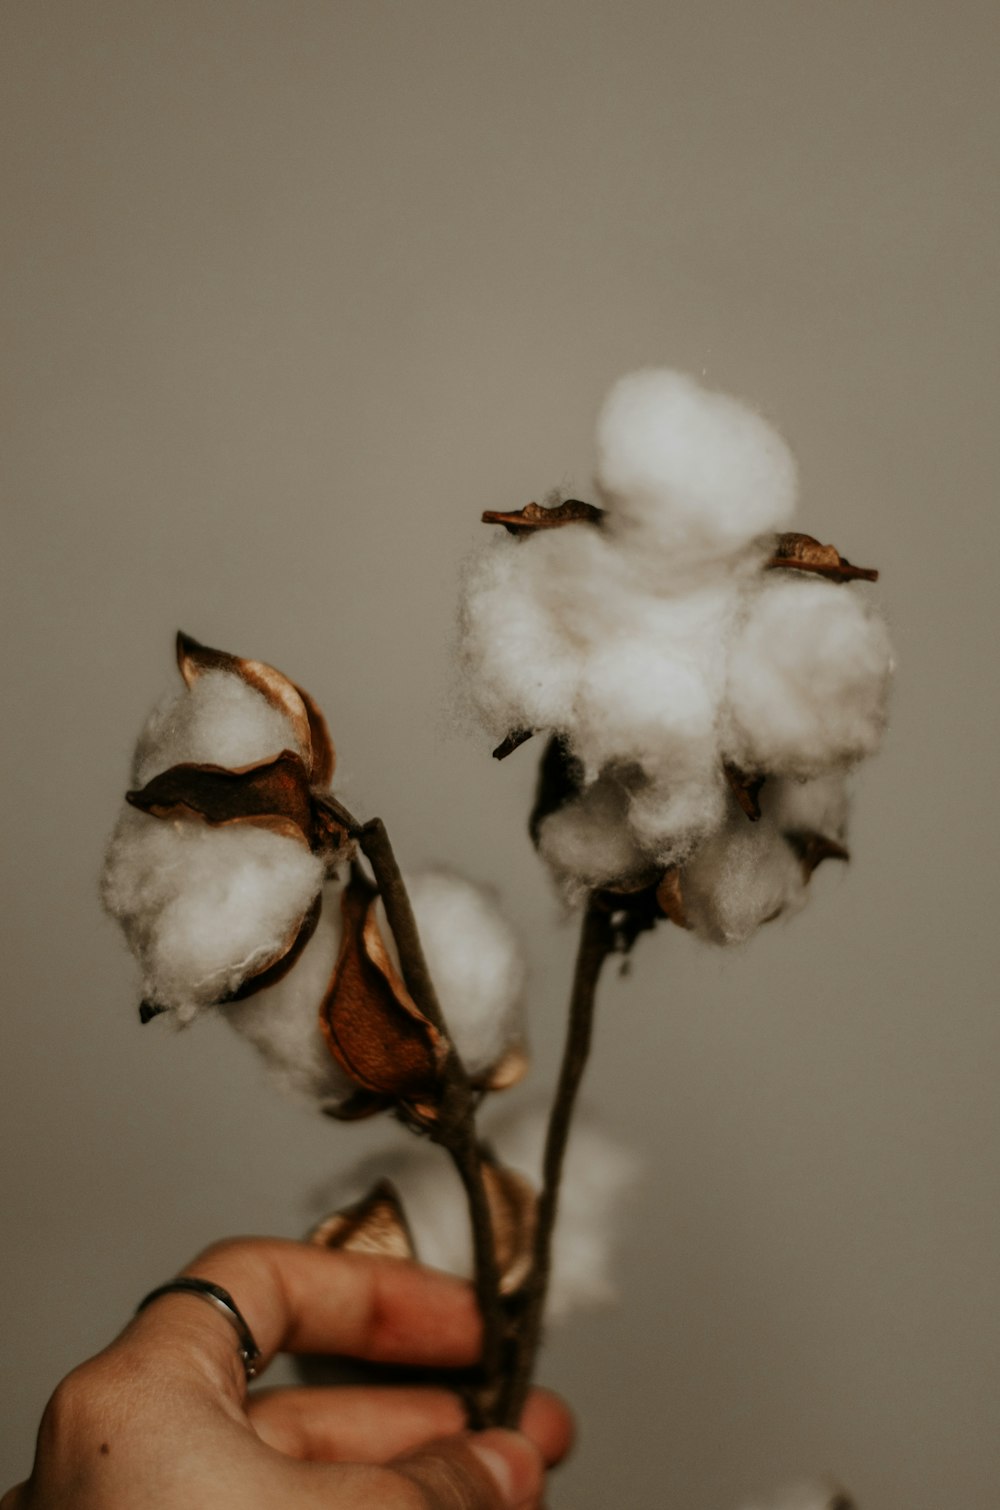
[(162, 1417)]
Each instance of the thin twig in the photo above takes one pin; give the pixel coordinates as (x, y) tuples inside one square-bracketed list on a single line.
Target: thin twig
[(596, 943), (455, 1129)]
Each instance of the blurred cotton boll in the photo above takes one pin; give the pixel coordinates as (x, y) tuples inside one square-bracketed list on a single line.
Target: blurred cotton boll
[(692, 474), (475, 960), (598, 1176), (205, 908)]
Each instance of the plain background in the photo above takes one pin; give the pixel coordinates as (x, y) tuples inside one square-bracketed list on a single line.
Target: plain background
[(291, 292)]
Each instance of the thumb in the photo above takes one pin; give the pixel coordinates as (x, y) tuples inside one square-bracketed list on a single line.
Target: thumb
[(487, 1470)]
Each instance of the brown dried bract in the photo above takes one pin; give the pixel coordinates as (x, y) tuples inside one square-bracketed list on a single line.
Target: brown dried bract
[(812, 849), (534, 516), (273, 795), (508, 1071), (670, 897), (375, 1224), (804, 553), (373, 1027), (513, 1206), (746, 789), (308, 723), (513, 741)]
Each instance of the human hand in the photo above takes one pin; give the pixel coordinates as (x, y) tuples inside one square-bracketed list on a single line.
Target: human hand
[(162, 1417)]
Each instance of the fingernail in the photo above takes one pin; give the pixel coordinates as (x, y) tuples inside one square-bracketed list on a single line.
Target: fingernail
[(514, 1464)]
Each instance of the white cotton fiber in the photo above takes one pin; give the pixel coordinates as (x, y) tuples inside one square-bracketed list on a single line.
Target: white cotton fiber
[(204, 908), (599, 1174), (475, 961), (818, 806), (815, 1494), (589, 841), (741, 877), (219, 720), (808, 678), (692, 474), (282, 1022)]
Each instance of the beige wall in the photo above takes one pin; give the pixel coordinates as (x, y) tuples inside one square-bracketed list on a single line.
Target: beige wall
[(292, 290)]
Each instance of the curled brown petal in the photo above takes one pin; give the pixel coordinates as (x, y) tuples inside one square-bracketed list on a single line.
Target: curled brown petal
[(373, 1027), (746, 789), (513, 1205), (508, 1071), (534, 516), (375, 1224), (273, 795), (797, 552), (670, 897)]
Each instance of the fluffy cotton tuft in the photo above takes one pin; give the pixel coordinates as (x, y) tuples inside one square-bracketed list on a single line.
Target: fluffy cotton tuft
[(204, 908), (219, 720), (808, 678), (741, 877), (660, 649), (598, 1174), (589, 842), (475, 962), (815, 1494), (692, 473), (282, 1022)]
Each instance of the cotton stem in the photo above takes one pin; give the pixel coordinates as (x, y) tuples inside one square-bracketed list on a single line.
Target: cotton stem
[(596, 943)]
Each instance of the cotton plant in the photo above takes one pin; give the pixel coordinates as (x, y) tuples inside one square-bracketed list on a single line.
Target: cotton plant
[(701, 679)]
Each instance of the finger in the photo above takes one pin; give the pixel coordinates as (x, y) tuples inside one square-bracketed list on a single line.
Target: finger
[(345, 1424), (373, 1425), (491, 1470), (306, 1299)]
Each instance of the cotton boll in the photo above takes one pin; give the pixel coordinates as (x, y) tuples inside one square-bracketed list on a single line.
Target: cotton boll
[(475, 961), (744, 875), (282, 1022), (588, 842), (219, 720), (205, 908), (598, 1175), (670, 816), (693, 474), (809, 678)]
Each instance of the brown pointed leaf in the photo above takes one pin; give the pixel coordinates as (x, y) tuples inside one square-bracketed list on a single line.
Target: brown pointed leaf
[(508, 1071), (746, 789), (356, 1107), (804, 553), (273, 795), (308, 724), (534, 516), (375, 1224), (670, 897), (812, 849), (513, 1207), (514, 740), (324, 757), (373, 1027)]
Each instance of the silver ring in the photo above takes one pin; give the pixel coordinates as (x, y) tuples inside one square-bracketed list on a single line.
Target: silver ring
[(224, 1303)]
